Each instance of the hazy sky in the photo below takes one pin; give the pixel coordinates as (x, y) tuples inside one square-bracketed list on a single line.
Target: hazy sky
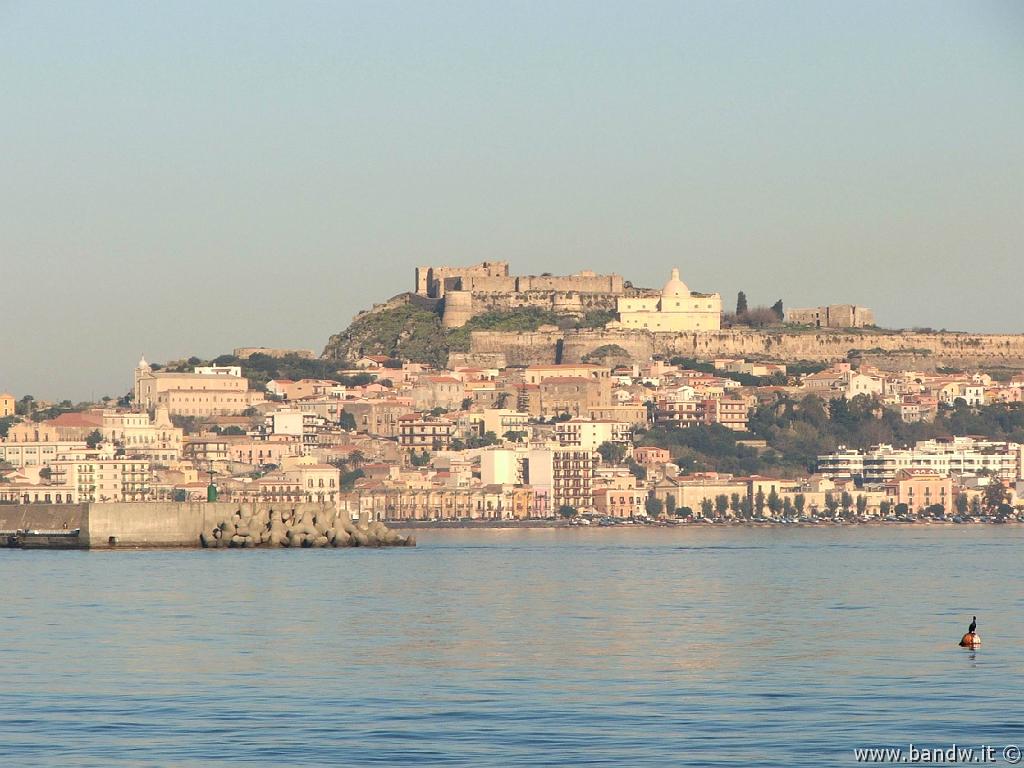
[(187, 177)]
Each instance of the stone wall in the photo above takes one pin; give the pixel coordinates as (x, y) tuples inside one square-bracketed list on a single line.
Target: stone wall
[(460, 306), (923, 350)]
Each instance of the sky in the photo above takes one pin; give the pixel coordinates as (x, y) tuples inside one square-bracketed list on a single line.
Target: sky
[(182, 178)]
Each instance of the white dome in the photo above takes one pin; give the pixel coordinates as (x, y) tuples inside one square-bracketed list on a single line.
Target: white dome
[(675, 287)]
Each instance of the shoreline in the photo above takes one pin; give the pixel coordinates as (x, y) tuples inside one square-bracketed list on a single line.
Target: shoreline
[(429, 525)]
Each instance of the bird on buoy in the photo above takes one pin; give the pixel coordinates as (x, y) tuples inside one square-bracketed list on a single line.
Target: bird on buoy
[(971, 639)]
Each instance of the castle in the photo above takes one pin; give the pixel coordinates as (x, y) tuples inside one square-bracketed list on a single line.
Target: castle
[(473, 290), (470, 291)]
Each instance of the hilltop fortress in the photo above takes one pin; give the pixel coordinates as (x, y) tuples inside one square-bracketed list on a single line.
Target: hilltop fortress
[(470, 291), (638, 323), (488, 286)]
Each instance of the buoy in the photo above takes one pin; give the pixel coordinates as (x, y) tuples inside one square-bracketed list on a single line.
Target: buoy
[(970, 640)]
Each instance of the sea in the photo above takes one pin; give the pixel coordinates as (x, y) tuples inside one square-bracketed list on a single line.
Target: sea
[(694, 646)]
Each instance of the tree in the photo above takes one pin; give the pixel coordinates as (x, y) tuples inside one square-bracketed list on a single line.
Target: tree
[(884, 506), (845, 500), (774, 503), (799, 502), (831, 503), (348, 479), (515, 436), (611, 453), (721, 504), (995, 494), (670, 504), (419, 459), (347, 421), (787, 507), (357, 458), (233, 430), (975, 506), (734, 504), (637, 470), (179, 495), (566, 511), (653, 506), (962, 503), (706, 507), (741, 303), (93, 439), (902, 510), (759, 502), (862, 504), (936, 510), (25, 406), (778, 310), (467, 403)]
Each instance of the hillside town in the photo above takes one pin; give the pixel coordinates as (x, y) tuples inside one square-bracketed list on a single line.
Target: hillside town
[(669, 441)]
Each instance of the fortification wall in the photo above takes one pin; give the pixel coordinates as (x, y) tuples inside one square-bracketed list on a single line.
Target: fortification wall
[(460, 306), (934, 349), (518, 348), (244, 353)]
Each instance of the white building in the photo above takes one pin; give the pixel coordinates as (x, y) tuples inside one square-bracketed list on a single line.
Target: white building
[(676, 309), (961, 455), (587, 434)]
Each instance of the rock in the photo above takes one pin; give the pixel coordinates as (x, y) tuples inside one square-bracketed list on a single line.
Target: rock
[(277, 538), (359, 539), (321, 541), (410, 541), (206, 540), (236, 540), (342, 538)]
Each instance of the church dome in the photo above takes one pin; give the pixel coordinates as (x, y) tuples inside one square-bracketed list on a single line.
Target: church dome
[(675, 287)]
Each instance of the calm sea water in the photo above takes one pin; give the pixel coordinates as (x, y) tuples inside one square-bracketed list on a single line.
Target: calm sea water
[(500, 648)]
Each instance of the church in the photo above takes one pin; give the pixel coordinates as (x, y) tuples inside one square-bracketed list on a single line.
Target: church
[(676, 309)]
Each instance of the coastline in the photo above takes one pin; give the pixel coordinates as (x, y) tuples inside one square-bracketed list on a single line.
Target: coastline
[(429, 525)]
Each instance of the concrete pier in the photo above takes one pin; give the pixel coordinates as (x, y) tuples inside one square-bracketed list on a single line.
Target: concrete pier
[(132, 524)]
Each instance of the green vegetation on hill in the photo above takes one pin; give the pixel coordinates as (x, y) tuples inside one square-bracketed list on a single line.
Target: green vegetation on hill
[(415, 333), (407, 331), (798, 431)]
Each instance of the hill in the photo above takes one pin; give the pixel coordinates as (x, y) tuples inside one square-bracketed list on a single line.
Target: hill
[(411, 331)]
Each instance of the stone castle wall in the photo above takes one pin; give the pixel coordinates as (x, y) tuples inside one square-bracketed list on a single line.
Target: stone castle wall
[(460, 306), (909, 349)]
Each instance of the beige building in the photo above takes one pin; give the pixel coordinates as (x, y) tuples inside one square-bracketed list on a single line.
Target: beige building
[(205, 392), (377, 417), (832, 316), (676, 309), (6, 404), (426, 432), (157, 440), (96, 479)]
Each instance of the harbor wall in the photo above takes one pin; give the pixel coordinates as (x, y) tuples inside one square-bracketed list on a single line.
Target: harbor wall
[(47, 517), (132, 524)]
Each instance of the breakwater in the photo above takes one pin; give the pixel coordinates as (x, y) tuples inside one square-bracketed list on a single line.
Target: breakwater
[(173, 524), (287, 527)]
